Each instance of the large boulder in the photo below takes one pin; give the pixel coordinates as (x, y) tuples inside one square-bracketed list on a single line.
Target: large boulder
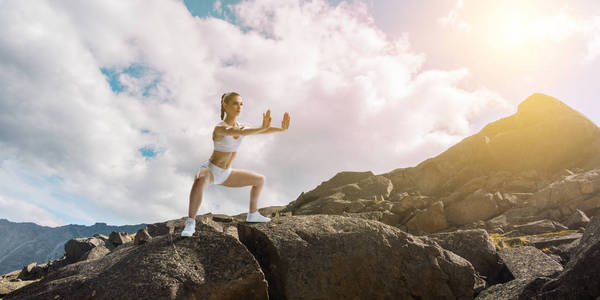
[(75, 249), (478, 206), (529, 262), (476, 246), (429, 220), (209, 265), (333, 257)]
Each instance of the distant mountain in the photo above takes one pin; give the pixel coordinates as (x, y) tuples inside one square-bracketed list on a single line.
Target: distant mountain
[(26, 242)]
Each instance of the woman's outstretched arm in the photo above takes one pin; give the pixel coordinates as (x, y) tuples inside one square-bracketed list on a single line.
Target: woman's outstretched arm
[(228, 130), (285, 124)]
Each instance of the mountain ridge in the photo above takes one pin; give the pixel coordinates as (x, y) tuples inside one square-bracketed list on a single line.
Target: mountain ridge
[(44, 243)]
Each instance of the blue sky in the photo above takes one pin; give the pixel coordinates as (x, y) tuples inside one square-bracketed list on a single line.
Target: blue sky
[(108, 121)]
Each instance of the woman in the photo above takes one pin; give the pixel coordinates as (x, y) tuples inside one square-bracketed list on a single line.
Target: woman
[(227, 136)]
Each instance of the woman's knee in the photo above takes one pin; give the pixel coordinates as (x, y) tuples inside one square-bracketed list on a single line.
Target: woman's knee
[(260, 180)]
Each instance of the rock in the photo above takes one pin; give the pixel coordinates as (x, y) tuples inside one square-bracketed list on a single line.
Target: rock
[(30, 272), (385, 216), (232, 231), (409, 204), (222, 218), (119, 238), (334, 257), (76, 248), (177, 225), (577, 219), (142, 236), (376, 185), (477, 206), (559, 192), (581, 277), (529, 262), (563, 250), (520, 185), (334, 204), (537, 227), (499, 221), (398, 196), (95, 253), (507, 291), (326, 188), (430, 220), (11, 281), (590, 205), (477, 247), (465, 190), (209, 265), (520, 215), (558, 239), (351, 190)]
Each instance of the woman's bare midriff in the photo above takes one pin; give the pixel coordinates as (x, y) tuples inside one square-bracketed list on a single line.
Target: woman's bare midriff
[(222, 159)]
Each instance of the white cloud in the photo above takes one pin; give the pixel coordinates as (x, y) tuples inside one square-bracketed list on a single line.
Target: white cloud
[(355, 96), (453, 19), (22, 211)]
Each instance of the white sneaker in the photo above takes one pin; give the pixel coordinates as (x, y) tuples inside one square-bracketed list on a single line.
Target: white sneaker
[(190, 227), (256, 217)]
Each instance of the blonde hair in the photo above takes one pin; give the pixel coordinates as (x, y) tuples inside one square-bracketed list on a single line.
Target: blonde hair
[(225, 99)]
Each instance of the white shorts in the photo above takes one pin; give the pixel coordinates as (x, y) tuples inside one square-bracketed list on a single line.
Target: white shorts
[(219, 174)]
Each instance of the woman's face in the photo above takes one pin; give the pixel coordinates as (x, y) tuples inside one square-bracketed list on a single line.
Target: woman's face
[(234, 107)]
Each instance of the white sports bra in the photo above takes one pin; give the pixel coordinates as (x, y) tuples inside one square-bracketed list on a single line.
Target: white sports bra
[(228, 143)]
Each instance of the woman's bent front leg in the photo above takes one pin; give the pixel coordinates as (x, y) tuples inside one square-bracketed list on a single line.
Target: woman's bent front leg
[(239, 178)]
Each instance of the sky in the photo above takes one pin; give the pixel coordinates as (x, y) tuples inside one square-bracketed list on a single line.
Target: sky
[(107, 107)]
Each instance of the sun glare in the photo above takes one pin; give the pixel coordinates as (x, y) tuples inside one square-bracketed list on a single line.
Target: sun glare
[(513, 30), (509, 30)]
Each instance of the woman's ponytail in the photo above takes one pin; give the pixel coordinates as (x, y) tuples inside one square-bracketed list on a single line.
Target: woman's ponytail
[(223, 109)]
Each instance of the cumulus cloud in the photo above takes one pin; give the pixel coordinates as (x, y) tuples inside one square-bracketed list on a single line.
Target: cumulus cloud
[(73, 107)]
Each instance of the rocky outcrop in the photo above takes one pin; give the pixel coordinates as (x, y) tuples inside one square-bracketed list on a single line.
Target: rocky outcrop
[(543, 137), (209, 265), (327, 257), (526, 264), (581, 277), (477, 247)]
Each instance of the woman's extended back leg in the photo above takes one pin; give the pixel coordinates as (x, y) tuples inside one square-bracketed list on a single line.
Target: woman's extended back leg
[(202, 179)]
